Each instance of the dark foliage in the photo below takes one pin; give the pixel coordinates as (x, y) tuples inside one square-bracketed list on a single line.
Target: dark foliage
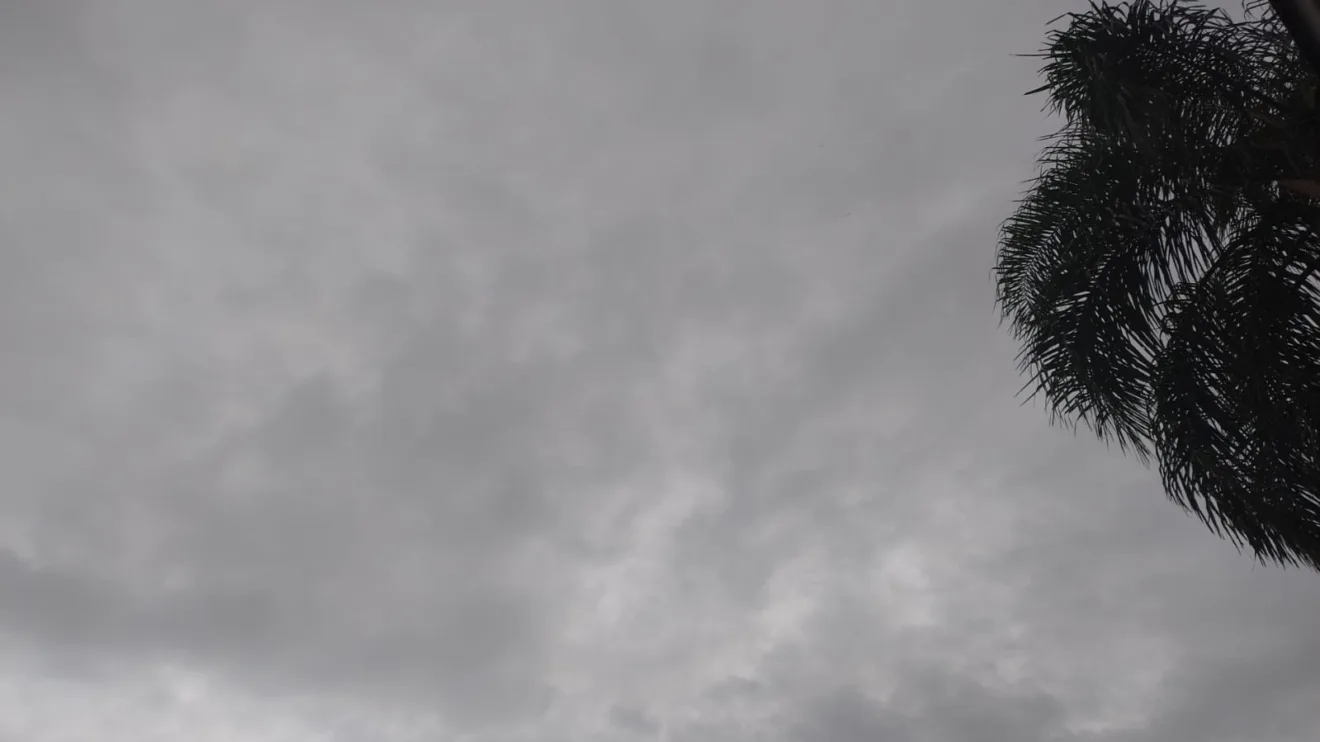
[(1161, 271)]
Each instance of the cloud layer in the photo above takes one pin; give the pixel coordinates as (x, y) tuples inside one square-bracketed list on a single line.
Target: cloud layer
[(566, 370)]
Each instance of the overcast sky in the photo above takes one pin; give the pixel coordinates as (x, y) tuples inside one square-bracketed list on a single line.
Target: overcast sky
[(566, 371)]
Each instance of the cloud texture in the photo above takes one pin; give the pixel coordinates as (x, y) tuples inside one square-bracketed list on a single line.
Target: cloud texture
[(566, 370)]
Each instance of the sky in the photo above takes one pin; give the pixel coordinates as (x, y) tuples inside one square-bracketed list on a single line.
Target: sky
[(567, 370)]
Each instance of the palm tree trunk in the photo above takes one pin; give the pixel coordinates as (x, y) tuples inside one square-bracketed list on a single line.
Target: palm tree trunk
[(1302, 19)]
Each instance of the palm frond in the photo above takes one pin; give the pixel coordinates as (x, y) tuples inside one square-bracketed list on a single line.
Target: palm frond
[(1237, 390)]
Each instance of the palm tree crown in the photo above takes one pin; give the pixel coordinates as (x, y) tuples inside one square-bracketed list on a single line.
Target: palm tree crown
[(1160, 272)]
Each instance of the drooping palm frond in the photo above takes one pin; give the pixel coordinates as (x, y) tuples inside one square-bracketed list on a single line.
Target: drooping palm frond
[(1237, 389), (1127, 205), (1151, 270), (1080, 301), (1148, 69)]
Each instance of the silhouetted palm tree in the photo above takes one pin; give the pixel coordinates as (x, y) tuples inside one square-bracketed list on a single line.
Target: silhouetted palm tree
[(1161, 271)]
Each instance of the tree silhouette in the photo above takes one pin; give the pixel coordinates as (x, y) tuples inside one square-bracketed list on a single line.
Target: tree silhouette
[(1161, 270)]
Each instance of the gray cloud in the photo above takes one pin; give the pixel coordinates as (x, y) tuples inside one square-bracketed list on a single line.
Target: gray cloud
[(563, 370)]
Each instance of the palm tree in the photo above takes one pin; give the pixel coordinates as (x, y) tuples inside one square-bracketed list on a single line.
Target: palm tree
[(1161, 270)]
